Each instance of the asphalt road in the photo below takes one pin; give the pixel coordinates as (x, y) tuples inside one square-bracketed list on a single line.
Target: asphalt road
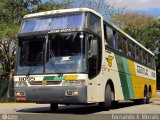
[(31, 111)]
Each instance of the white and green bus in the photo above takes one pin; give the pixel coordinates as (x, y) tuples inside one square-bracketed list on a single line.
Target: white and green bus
[(74, 56)]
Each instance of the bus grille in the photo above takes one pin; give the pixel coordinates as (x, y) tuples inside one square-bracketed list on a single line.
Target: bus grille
[(48, 82)]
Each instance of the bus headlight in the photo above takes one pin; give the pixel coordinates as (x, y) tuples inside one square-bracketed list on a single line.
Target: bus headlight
[(20, 84), (75, 82)]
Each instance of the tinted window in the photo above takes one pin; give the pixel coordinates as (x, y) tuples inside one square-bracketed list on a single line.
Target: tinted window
[(144, 57), (149, 60), (31, 52), (124, 46), (120, 43), (94, 56), (110, 37), (133, 52), (53, 22), (137, 53), (129, 49), (95, 24)]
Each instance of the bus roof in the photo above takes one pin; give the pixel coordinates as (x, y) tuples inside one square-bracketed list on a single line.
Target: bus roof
[(52, 12)]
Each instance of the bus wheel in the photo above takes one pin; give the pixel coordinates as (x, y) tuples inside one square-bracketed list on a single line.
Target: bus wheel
[(53, 107), (106, 105), (146, 99)]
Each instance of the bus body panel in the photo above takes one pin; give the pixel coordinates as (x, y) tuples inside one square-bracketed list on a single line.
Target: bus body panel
[(56, 94), (128, 83)]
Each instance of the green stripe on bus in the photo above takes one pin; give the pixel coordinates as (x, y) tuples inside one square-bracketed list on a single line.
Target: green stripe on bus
[(129, 78), (53, 78), (123, 77)]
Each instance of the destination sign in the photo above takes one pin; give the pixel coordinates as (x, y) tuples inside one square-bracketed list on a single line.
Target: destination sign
[(62, 30)]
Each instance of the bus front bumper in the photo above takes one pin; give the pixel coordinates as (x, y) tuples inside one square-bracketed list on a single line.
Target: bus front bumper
[(52, 94)]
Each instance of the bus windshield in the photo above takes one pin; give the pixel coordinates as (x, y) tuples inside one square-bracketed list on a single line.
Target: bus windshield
[(65, 53), (53, 22)]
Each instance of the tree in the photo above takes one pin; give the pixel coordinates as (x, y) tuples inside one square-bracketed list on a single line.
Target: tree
[(14, 10), (7, 50), (104, 7), (52, 5)]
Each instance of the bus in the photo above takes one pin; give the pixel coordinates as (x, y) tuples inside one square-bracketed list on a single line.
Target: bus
[(74, 56)]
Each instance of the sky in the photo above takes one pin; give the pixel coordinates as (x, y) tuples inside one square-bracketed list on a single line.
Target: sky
[(151, 7)]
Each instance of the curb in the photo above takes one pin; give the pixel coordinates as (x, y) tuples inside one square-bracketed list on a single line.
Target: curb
[(17, 103)]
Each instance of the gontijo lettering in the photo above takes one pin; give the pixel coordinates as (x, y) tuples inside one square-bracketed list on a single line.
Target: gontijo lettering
[(142, 70)]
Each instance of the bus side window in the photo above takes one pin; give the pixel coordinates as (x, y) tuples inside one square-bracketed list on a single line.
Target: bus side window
[(140, 55), (124, 45), (129, 48), (110, 37), (133, 52), (95, 24), (114, 40), (149, 60), (105, 34), (120, 43), (94, 56), (152, 62), (137, 53), (144, 57)]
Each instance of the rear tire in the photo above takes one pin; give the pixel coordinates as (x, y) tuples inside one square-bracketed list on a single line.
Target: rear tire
[(146, 99), (53, 107), (106, 105)]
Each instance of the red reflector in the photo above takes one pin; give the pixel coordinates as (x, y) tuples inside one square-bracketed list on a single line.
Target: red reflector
[(21, 98)]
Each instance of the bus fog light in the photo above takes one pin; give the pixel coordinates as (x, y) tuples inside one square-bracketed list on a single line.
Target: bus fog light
[(20, 93), (71, 93), (75, 92)]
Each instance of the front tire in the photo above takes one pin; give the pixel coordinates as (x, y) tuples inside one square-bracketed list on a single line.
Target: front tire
[(106, 105)]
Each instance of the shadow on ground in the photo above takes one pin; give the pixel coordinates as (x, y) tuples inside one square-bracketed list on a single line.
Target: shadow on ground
[(77, 109)]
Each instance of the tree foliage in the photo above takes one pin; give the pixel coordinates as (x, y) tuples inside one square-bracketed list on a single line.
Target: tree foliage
[(52, 5), (104, 7)]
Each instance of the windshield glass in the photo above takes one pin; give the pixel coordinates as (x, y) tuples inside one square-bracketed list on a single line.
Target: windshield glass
[(65, 53), (53, 22), (31, 55)]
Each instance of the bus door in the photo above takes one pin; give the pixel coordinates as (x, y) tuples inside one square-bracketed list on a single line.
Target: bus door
[(93, 70)]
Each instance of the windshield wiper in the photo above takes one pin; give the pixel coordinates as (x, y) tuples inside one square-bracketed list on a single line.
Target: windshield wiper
[(51, 55), (53, 64)]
